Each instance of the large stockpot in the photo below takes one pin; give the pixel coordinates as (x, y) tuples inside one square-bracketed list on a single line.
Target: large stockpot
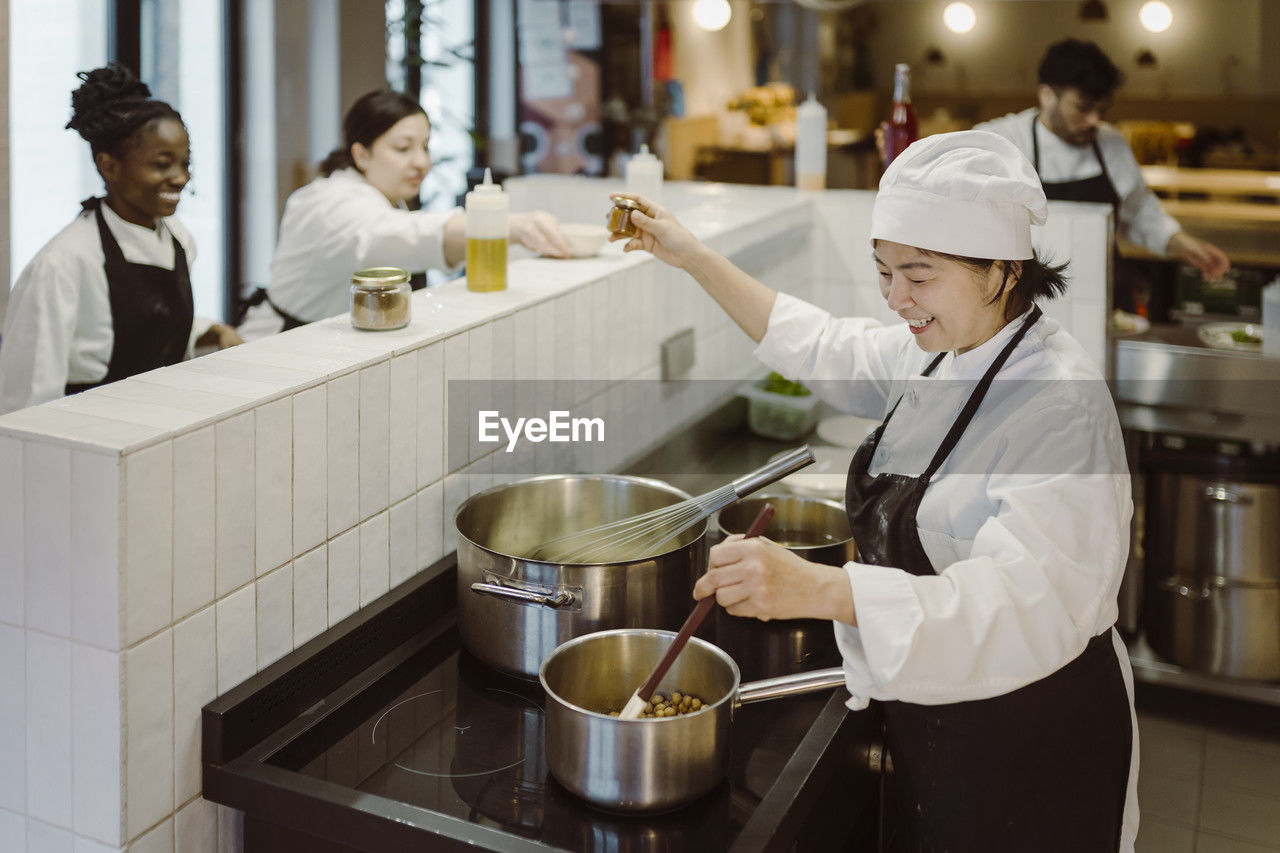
[(1212, 546), (817, 530), (647, 765), (513, 611)]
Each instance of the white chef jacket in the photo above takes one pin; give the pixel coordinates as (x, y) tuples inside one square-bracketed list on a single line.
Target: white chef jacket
[(1026, 523), (1142, 220), (336, 225), (58, 328)]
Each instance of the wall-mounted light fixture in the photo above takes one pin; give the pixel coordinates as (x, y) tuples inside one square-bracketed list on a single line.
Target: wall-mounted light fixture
[(1156, 16), (1145, 59), (1093, 10), (711, 15), (959, 17), (934, 56)]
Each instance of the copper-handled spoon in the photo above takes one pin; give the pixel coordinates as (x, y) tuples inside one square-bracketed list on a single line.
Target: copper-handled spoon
[(636, 704)]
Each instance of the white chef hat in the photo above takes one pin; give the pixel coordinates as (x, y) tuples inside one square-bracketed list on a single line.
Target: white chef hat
[(968, 193)]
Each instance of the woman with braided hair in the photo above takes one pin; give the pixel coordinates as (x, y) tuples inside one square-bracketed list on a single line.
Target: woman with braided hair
[(110, 295)]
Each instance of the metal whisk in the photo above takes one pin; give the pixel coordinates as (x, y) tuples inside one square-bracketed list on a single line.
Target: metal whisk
[(643, 535)]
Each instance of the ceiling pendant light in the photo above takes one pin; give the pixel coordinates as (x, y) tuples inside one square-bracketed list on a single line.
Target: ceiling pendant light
[(959, 17), (1155, 16), (711, 15)]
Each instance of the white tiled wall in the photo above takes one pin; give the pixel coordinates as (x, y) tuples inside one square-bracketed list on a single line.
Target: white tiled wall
[(229, 509)]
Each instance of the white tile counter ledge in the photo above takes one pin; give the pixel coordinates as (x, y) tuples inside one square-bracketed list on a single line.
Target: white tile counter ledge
[(165, 537)]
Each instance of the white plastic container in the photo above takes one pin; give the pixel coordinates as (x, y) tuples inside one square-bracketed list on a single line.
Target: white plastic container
[(811, 145), (1271, 319), (644, 175), (488, 222), (779, 416)]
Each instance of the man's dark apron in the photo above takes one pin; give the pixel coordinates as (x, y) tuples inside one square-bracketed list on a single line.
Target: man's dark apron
[(1044, 768), (151, 309), (1099, 189)]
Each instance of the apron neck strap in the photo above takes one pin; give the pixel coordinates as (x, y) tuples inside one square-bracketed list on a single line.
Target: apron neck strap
[(975, 399)]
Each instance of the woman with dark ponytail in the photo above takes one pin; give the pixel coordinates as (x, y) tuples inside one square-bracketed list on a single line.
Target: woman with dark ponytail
[(991, 509), (110, 295), (355, 216)]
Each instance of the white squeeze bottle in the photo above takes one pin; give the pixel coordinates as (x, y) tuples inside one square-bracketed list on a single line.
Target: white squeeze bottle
[(811, 145), (644, 175), (1271, 318), (488, 211)]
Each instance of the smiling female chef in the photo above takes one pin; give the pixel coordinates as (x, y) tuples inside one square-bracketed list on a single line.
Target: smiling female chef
[(355, 216), (991, 517), (110, 295)]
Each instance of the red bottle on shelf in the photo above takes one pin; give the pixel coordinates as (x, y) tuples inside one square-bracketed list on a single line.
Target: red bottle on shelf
[(901, 131)]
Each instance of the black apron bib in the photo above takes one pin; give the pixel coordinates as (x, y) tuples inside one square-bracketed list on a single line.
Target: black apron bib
[(1100, 189), (151, 309), (1044, 768)]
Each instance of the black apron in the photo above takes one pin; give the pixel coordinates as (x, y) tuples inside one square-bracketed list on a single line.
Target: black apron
[(151, 309), (417, 281), (1100, 189), (1044, 768)]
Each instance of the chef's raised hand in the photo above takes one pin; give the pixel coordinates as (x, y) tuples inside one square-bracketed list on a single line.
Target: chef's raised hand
[(1201, 254), (539, 231), (659, 233), (760, 579)]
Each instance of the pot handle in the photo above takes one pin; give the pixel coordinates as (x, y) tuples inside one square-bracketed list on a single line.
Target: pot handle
[(1222, 494), (558, 598), (789, 685)]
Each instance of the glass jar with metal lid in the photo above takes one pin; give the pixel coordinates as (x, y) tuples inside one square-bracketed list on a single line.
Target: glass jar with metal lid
[(620, 217), (380, 299)]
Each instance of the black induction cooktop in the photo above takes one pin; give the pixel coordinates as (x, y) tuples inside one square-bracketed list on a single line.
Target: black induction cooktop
[(385, 734)]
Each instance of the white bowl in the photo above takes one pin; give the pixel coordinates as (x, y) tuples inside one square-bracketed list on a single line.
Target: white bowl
[(585, 240)]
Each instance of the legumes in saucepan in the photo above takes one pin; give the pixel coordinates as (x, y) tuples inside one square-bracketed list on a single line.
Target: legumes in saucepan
[(661, 706)]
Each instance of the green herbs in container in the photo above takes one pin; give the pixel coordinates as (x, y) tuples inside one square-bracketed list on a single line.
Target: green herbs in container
[(779, 408)]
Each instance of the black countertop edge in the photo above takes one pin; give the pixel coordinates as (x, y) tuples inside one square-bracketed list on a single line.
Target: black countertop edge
[(281, 708), (292, 686), (839, 738)]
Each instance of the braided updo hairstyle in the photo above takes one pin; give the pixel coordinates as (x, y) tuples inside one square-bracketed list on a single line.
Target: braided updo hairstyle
[(111, 105)]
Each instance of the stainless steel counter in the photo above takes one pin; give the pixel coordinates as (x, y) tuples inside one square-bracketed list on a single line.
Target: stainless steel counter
[(1166, 380)]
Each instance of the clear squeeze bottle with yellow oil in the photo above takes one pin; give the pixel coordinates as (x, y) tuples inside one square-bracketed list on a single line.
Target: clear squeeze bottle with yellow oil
[(488, 211)]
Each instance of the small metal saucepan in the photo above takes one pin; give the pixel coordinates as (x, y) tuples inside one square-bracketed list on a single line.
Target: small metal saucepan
[(647, 765), (817, 530)]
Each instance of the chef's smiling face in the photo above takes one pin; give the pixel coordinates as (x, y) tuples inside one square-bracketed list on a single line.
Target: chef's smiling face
[(1071, 115), (145, 178), (397, 161), (946, 305)]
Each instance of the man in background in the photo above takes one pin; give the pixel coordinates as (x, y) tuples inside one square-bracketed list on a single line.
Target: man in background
[(1079, 157)]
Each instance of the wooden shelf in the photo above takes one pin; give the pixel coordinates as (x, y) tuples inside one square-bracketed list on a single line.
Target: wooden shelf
[(1233, 182)]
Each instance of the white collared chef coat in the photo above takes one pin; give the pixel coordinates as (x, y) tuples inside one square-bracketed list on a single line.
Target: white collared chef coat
[(58, 328), (1026, 523), (1141, 220), (336, 225)]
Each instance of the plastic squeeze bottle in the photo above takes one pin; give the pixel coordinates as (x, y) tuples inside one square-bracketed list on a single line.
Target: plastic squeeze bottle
[(811, 145), (488, 212), (644, 175), (1271, 318)]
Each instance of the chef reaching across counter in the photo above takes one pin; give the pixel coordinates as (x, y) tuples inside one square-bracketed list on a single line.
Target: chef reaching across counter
[(110, 295), (990, 509), (355, 216), (1079, 157)]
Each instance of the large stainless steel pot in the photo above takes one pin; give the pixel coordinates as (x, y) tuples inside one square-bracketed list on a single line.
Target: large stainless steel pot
[(513, 611), (1212, 547), (816, 529), (647, 765)]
